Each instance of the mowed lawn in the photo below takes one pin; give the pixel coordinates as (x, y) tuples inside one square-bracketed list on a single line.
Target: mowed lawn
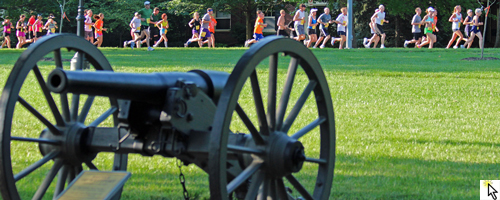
[(410, 123)]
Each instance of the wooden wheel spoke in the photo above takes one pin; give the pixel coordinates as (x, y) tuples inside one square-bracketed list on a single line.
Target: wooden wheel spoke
[(248, 123), (75, 102), (63, 96), (103, 117), (39, 140), (241, 178), (36, 165), (271, 95), (264, 189), (241, 149), (259, 105), (308, 128), (280, 189), (48, 96), (40, 117), (61, 180), (316, 160), (299, 187), (285, 96), (48, 179), (298, 106), (86, 108), (91, 165), (255, 185)]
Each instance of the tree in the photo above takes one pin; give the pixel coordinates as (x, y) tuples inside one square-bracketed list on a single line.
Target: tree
[(62, 13), (497, 41)]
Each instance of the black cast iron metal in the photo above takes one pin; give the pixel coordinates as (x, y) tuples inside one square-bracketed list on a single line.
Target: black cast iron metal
[(186, 115)]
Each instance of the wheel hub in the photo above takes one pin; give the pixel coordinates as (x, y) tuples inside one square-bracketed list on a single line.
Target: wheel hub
[(72, 139), (284, 155)]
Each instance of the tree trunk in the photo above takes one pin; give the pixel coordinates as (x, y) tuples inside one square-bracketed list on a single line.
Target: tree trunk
[(497, 40), (396, 28)]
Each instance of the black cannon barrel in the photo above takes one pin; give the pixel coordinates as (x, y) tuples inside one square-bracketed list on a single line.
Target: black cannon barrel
[(138, 87)]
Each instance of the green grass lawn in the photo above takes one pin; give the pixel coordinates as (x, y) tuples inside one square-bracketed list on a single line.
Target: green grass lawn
[(410, 123)]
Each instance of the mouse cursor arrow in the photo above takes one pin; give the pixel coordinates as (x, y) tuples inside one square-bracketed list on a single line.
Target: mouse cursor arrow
[(492, 191)]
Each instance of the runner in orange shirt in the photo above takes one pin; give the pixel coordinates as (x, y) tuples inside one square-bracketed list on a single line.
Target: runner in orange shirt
[(99, 28), (257, 31), (211, 28)]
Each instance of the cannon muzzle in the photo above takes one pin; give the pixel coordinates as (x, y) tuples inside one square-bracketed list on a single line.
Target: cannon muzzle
[(150, 88)]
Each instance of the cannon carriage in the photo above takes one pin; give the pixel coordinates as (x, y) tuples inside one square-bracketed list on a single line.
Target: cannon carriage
[(185, 115)]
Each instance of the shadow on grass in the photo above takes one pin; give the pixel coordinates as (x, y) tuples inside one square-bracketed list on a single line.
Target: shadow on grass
[(403, 178)]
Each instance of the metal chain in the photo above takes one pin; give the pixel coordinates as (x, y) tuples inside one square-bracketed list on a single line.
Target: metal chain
[(182, 179)]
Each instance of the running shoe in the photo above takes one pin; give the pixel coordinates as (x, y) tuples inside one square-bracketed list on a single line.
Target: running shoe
[(132, 45), (150, 49), (186, 44), (365, 40), (322, 46), (462, 46), (333, 41), (367, 46), (124, 44), (406, 43), (455, 47), (314, 47), (382, 47), (246, 43)]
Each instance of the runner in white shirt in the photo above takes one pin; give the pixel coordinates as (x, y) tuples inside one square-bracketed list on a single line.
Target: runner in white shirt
[(299, 18), (89, 34), (379, 19), (456, 20), (341, 28)]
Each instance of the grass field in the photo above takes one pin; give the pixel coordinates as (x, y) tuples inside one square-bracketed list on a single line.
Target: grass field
[(410, 123)]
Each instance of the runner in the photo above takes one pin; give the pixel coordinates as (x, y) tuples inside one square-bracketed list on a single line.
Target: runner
[(211, 27), (205, 32), (379, 19), (313, 22), (195, 24), (21, 32), (476, 22), (467, 23), (456, 19), (7, 29), (51, 25), (415, 29), (31, 33), (257, 31), (99, 24), (89, 34), (146, 18), (341, 28), (38, 27), (153, 28), (281, 24), (374, 39), (299, 19), (324, 20), (135, 25), (163, 24), (428, 20)]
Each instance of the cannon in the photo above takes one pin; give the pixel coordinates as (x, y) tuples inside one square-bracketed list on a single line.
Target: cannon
[(248, 143)]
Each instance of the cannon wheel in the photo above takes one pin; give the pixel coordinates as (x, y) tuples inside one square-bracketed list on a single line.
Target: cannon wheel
[(276, 154), (66, 157)]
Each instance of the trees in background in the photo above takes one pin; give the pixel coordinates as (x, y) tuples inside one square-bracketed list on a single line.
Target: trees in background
[(118, 14)]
